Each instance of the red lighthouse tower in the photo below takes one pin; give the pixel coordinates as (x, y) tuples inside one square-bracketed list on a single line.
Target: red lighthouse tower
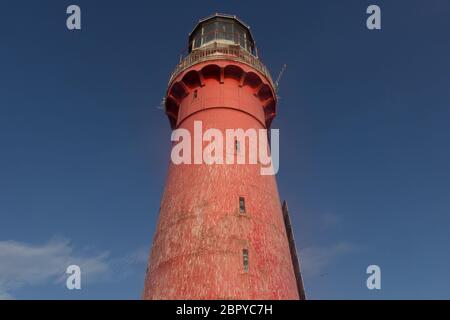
[(222, 231)]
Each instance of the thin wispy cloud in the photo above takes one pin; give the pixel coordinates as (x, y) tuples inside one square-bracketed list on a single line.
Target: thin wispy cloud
[(329, 220), (23, 264), (316, 259), (138, 256), (134, 262), (5, 296)]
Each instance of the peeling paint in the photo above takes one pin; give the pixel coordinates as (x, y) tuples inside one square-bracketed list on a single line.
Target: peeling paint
[(198, 246)]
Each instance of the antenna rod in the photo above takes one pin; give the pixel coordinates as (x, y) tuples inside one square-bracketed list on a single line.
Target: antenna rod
[(280, 75)]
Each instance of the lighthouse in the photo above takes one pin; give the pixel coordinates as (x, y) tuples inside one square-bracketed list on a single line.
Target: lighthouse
[(222, 231)]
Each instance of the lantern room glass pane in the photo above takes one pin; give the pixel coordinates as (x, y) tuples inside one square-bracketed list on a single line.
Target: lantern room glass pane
[(243, 40), (225, 30), (197, 41), (209, 31)]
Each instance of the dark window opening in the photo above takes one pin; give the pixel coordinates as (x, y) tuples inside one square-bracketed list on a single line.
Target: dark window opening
[(241, 205), (245, 259)]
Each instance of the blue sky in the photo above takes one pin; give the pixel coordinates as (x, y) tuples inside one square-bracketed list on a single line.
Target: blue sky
[(363, 119)]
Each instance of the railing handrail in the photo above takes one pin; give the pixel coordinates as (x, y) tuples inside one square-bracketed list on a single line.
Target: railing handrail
[(216, 52)]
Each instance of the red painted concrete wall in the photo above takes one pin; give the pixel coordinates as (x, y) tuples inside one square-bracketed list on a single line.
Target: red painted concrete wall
[(197, 250)]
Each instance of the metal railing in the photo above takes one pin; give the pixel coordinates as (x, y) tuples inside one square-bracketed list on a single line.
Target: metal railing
[(215, 52)]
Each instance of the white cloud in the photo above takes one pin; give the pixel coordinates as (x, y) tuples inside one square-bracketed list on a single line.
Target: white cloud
[(329, 220), (138, 256), (23, 264), (5, 296), (315, 259)]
